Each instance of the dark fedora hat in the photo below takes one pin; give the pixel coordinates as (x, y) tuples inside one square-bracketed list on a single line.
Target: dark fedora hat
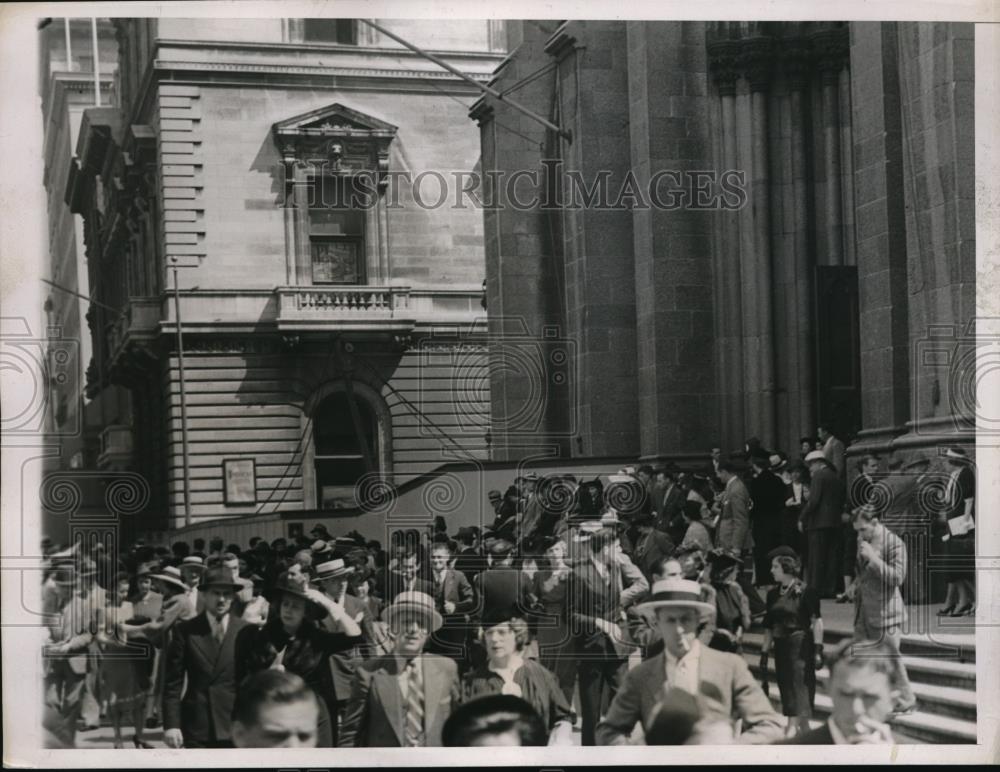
[(724, 558), (219, 576)]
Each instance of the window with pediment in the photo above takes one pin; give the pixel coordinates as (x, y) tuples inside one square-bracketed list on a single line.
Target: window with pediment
[(335, 160)]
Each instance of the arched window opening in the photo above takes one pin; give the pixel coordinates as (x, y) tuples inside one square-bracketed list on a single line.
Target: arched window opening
[(339, 454)]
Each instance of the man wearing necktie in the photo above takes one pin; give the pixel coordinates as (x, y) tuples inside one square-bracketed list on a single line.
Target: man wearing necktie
[(403, 698), (721, 682), (201, 653), (454, 600)]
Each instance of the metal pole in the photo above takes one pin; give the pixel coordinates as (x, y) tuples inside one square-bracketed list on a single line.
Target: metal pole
[(485, 89), (97, 62), (69, 47), (180, 370)]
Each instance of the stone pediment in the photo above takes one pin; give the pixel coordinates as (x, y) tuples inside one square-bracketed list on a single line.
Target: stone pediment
[(345, 140)]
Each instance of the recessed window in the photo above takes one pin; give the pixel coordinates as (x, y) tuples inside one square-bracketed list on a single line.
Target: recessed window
[(336, 231), (343, 31), (339, 459)]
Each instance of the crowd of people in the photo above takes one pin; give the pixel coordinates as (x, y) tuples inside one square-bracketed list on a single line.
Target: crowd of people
[(618, 604)]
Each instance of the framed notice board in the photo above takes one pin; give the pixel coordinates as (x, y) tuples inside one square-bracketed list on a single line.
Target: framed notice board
[(239, 478)]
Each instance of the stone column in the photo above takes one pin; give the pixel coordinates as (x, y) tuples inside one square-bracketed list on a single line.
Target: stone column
[(759, 355), (799, 298), (723, 60), (830, 46)]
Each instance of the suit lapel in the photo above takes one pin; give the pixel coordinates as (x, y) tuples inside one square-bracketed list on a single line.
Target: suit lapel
[(202, 640), (227, 639), (432, 691), (387, 687)]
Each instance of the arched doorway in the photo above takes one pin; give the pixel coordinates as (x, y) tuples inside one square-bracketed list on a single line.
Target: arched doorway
[(338, 452)]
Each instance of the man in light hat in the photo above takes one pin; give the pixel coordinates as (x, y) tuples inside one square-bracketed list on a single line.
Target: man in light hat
[(332, 578), (722, 682), (66, 653), (402, 699), (200, 664), (820, 521), (192, 567)]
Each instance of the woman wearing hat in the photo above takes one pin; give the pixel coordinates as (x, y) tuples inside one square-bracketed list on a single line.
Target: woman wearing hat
[(956, 530), (291, 639), (731, 603), (555, 648), (506, 671), (793, 628)]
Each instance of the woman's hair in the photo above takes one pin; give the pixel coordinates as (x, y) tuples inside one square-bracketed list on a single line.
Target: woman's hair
[(789, 565), (692, 511), (494, 714), (521, 634)]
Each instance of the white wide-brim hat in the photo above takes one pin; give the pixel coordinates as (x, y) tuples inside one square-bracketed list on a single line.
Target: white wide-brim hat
[(678, 593), (410, 601)]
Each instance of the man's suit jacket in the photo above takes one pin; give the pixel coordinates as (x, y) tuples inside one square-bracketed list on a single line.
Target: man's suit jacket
[(374, 714), (877, 599), (833, 450), (734, 522), (470, 562), (591, 596), (825, 504), (725, 684), (900, 507), (670, 507), (343, 664), (395, 584), (455, 588), (650, 548), (502, 587), (205, 711)]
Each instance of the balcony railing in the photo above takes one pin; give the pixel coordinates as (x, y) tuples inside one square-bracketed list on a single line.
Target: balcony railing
[(375, 307)]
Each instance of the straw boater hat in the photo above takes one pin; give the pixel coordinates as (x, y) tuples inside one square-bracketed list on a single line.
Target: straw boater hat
[(955, 454), (776, 462), (411, 601), (170, 575), (193, 563), (332, 569), (815, 455), (676, 593)]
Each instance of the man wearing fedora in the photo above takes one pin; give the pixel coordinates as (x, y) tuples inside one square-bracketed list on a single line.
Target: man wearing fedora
[(200, 653), (820, 521), (722, 682), (403, 698)]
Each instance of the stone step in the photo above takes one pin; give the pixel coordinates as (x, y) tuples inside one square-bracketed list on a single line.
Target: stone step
[(955, 646), (919, 727), (945, 701), (927, 670)]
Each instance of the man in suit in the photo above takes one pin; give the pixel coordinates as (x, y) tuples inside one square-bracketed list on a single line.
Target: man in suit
[(879, 613), (820, 521), (332, 578), (767, 492), (402, 699), (733, 531), (201, 653), (833, 449), (469, 560), (454, 599), (598, 623), (406, 578), (651, 545), (670, 507), (862, 688), (722, 682), (859, 494), (71, 631)]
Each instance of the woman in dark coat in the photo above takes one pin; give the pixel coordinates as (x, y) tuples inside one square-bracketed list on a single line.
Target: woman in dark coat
[(291, 640), (506, 671), (956, 531), (794, 628)]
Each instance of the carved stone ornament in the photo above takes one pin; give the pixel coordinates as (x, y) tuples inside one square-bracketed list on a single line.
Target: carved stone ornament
[(724, 62)]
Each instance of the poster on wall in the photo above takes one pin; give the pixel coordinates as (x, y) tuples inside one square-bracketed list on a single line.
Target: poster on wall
[(240, 477)]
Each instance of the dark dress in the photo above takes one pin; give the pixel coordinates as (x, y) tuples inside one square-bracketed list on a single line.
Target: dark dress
[(960, 549), (307, 655), (539, 688), (789, 618)]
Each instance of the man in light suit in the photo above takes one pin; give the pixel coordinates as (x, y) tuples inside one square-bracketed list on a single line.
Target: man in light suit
[(721, 682), (402, 700), (734, 510), (455, 600), (201, 653), (879, 613)]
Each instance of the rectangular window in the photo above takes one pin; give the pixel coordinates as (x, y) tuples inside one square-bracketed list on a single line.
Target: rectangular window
[(336, 233), (343, 31)]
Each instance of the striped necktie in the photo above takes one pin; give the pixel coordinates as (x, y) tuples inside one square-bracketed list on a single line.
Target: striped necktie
[(414, 721)]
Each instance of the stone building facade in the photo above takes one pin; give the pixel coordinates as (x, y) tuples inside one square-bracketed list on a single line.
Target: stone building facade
[(807, 286), (322, 338)]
